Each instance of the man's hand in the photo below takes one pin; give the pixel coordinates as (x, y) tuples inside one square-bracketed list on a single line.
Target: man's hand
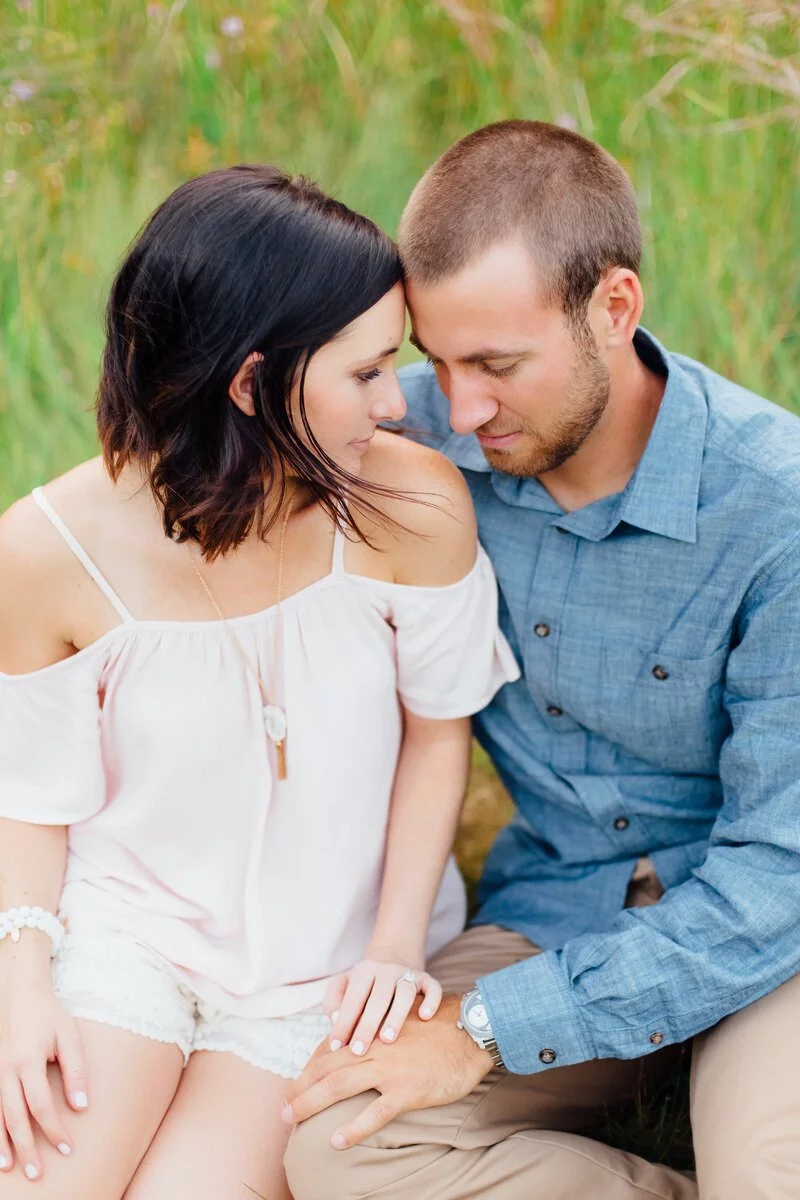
[(432, 1063)]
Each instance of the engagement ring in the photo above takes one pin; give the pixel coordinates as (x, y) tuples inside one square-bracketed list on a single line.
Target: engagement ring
[(408, 977)]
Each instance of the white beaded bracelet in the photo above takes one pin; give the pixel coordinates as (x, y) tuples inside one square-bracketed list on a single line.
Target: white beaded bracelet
[(14, 920)]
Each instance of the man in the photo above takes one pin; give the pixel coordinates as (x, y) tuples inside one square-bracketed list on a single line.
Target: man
[(643, 518)]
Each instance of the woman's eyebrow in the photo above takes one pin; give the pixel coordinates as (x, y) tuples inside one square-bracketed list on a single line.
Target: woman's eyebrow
[(376, 358)]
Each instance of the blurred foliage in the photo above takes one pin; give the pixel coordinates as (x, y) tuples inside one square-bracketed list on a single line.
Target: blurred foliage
[(106, 105)]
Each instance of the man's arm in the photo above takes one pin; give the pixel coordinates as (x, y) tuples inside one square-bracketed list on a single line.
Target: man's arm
[(711, 946), (727, 936)]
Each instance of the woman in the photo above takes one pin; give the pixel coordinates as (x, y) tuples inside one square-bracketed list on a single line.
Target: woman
[(237, 668)]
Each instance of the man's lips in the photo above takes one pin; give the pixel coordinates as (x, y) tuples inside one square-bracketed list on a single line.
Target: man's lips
[(499, 441)]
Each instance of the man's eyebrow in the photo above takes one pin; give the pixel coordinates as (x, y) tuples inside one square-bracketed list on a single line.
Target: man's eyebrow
[(482, 355)]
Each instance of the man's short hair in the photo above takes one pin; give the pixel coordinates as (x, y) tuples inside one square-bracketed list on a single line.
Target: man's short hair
[(561, 194)]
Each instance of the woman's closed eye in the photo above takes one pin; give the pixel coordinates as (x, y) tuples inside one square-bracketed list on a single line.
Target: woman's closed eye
[(368, 376)]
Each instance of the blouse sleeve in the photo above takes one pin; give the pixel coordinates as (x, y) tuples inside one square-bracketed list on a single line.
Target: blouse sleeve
[(51, 766), (451, 655)]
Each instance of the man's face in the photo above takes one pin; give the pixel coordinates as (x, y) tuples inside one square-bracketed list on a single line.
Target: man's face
[(511, 366)]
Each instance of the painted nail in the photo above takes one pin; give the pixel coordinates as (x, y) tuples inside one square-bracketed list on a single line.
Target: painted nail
[(336, 1044), (287, 1113), (335, 1016), (64, 1149), (5, 1163), (31, 1171), (389, 1035), (424, 1012), (357, 1047), (80, 1100), (338, 1141)]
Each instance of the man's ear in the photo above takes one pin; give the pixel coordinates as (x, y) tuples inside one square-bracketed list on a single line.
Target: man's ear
[(241, 389), (620, 293)]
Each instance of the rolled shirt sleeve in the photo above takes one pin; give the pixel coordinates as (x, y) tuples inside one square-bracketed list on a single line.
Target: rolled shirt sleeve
[(724, 938)]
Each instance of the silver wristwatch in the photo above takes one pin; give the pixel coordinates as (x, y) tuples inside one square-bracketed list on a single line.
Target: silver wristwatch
[(475, 1020)]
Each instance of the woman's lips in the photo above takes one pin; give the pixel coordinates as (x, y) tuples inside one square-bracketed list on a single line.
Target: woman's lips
[(363, 445)]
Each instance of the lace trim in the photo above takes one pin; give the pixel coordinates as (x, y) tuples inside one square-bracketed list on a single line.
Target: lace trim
[(281, 1045), (129, 1025)]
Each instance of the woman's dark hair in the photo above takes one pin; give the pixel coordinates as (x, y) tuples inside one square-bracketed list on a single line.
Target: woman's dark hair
[(238, 261)]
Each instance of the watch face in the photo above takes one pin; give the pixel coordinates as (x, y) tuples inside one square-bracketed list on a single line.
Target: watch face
[(476, 1017)]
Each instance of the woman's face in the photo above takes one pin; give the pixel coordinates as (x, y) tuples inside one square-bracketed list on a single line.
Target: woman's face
[(351, 385)]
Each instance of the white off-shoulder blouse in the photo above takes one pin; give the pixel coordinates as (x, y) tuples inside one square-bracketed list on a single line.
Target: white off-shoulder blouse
[(149, 744)]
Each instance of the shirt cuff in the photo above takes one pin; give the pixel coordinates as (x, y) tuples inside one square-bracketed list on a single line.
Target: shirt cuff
[(534, 1018)]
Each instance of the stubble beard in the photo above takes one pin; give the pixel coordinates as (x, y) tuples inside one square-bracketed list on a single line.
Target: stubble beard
[(585, 402)]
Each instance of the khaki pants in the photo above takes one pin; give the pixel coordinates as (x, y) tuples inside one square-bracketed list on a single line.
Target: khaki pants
[(516, 1137)]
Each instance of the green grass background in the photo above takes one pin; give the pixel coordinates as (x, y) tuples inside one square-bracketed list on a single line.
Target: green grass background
[(106, 105)]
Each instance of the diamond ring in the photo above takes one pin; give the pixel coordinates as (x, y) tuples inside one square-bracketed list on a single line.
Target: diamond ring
[(409, 977)]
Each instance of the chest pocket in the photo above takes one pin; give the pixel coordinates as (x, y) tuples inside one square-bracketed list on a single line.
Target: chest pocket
[(663, 708)]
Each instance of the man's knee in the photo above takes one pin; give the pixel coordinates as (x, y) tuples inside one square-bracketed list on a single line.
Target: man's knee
[(758, 1164), (314, 1169)]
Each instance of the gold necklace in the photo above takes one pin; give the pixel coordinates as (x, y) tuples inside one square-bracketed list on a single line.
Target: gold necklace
[(273, 714)]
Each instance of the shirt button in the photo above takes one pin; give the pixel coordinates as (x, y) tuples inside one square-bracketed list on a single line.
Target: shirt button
[(547, 1056), (541, 630), (660, 673), (621, 824), (554, 711), (656, 1038)]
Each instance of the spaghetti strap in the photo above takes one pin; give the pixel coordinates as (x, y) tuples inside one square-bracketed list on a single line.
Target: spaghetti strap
[(79, 552), (337, 565)]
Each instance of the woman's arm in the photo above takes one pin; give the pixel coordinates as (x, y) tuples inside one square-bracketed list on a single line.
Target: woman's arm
[(436, 549), (32, 860), (34, 1028), (428, 794)]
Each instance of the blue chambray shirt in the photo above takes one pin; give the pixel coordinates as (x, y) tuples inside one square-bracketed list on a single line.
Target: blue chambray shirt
[(658, 714)]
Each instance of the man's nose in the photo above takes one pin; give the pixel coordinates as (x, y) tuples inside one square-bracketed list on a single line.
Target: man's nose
[(470, 404)]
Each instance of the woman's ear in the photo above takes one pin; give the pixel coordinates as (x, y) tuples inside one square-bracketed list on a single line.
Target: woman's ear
[(241, 389)]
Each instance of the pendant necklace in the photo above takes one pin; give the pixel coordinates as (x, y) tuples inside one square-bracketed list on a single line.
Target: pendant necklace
[(273, 714)]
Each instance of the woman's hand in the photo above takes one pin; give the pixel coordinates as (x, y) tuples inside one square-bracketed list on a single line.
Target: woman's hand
[(377, 993), (35, 1029)]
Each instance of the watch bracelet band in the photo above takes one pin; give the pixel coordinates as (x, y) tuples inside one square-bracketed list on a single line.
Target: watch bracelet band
[(493, 1048)]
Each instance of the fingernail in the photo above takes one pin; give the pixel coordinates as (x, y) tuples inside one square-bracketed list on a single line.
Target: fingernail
[(64, 1149), (424, 1012), (338, 1141), (287, 1113), (31, 1171), (80, 1100), (335, 1016), (389, 1035), (5, 1163), (336, 1044), (357, 1047)]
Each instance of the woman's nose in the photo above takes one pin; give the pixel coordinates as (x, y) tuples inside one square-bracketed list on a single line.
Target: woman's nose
[(391, 405)]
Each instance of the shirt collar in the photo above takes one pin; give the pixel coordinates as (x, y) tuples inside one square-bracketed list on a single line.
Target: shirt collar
[(662, 495), (663, 491)]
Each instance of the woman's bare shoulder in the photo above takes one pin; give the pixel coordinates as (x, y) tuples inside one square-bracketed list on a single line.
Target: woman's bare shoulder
[(433, 536), (39, 573)]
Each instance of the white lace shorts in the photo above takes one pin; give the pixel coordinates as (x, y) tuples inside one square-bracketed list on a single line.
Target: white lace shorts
[(118, 981)]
